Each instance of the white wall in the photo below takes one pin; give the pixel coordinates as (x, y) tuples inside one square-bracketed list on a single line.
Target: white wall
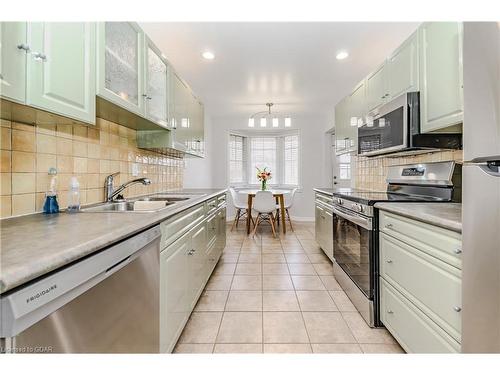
[(312, 151)]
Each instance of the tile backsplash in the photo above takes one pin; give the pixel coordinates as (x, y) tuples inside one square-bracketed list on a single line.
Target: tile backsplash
[(370, 173), (88, 152)]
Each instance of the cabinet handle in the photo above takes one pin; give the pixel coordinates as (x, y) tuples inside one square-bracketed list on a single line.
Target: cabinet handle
[(191, 252), (457, 251), (146, 96), (389, 226), (457, 308), (24, 47), (38, 56), (389, 261), (389, 311)]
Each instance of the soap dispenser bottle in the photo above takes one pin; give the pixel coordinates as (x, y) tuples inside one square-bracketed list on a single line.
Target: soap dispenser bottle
[(51, 206), (74, 195)]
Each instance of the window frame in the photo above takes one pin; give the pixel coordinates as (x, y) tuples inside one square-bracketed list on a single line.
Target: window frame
[(278, 176)]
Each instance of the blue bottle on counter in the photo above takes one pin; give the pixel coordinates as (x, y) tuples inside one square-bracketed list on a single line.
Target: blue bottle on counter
[(51, 206)]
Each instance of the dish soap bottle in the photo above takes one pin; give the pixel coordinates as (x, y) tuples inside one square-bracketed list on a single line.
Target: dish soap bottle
[(74, 195), (51, 206)]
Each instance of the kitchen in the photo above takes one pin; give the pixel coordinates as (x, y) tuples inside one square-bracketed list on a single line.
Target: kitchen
[(198, 199)]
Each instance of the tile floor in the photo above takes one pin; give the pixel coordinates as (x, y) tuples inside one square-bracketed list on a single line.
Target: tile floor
[(278, 295)]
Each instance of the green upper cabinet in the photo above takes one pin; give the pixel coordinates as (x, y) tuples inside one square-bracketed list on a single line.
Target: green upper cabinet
[(51, 66), (441, 78), (61, 68), (179, 111), (196, 144), (403, 69), (156, 85), (376, 89), (120, 65), (13, 52)]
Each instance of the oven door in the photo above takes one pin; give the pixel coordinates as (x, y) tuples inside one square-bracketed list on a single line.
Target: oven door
[(353, 238)]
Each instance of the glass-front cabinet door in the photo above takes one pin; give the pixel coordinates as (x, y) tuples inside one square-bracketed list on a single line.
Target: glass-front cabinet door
[(156, 85), (120, 64)]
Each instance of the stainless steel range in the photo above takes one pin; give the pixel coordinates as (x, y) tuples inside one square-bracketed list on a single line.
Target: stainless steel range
[(355, 225)]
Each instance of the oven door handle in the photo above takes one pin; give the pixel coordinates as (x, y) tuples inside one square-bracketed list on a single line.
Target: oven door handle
[(356, 219)]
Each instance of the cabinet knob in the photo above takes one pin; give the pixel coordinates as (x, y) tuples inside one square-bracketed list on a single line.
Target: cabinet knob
[(389, 261), (457, 251), (191, 252), (389, 226), (38, 56), (457, 308), (389, 311), (24, 47)]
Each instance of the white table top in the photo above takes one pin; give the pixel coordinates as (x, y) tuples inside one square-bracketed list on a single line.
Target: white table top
[(254, 191)]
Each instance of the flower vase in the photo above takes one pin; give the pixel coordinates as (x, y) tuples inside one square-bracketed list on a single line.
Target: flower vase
[(264, 185)]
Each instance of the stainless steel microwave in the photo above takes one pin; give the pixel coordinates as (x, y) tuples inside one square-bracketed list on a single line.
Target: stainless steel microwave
[(397, 128)]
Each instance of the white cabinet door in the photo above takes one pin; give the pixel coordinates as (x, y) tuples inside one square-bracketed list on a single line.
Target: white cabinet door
[(403, 68), (376, 89), (120, 64), (156, 85), (197, 260), (13, 51), (61, 68), (441, 78), (356, 115), (174, 304)]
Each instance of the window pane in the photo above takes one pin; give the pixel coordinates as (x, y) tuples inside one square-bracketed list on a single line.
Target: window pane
[(291, 160), (236, 159), (263, 154)]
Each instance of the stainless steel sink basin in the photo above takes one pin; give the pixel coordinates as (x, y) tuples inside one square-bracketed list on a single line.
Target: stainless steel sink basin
[(156, 202)]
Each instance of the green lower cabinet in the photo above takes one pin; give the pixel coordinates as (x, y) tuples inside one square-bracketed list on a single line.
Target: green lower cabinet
[(61, 69), (185, 267)]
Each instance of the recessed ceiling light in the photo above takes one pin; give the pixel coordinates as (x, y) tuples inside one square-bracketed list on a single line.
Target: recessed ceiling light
[(341, 55), (207, 55)]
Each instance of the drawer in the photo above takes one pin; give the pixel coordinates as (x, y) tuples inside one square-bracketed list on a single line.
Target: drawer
[(211, 205), (221, 200), (434, 286), (213, 255), (174, 227), (412, 328), (438, 242), (211, 229), (324, 198)]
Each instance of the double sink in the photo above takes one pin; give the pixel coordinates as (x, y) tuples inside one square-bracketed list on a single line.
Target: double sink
[(151, 203)]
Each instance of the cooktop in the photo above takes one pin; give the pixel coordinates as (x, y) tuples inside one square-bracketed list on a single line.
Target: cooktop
[(369, 197)]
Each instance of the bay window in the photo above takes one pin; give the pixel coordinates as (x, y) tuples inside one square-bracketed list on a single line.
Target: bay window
[(279, 152)]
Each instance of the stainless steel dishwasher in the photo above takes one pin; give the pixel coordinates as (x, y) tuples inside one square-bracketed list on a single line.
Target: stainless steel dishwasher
[(105, 303)]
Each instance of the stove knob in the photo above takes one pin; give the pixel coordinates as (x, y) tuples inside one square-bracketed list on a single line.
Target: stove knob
[(359, 208), (340, 201)]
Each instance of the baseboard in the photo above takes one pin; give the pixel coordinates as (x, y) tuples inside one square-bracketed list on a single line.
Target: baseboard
[(303, 218), (294, 218)]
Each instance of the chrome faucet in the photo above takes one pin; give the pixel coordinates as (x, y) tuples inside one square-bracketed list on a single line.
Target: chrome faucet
[(110, 192)]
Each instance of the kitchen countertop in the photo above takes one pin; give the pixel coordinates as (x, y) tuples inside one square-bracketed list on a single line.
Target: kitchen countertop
[(327, 191), (445, 215), (34, 245)]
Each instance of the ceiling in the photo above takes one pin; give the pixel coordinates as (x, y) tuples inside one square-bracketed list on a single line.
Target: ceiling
[(290, 64)]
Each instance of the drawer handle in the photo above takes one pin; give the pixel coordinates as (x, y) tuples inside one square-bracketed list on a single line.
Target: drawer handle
[(457, 251), (389, 261), (191, 252), (389, 311), (457, 308), (389, 226)]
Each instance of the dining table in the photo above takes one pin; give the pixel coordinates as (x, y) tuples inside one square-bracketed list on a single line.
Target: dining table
[(278, 194)]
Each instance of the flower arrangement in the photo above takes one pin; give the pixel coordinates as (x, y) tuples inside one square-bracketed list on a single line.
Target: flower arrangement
[(263, 175)]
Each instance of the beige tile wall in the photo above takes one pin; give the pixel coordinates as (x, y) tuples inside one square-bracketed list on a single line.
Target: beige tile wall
[(88, 152), (370, 173)]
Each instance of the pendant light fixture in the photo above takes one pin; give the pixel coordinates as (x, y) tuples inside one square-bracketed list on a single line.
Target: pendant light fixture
[(266, 117)]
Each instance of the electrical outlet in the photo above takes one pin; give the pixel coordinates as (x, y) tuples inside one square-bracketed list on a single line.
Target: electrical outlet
[(135, 169)]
